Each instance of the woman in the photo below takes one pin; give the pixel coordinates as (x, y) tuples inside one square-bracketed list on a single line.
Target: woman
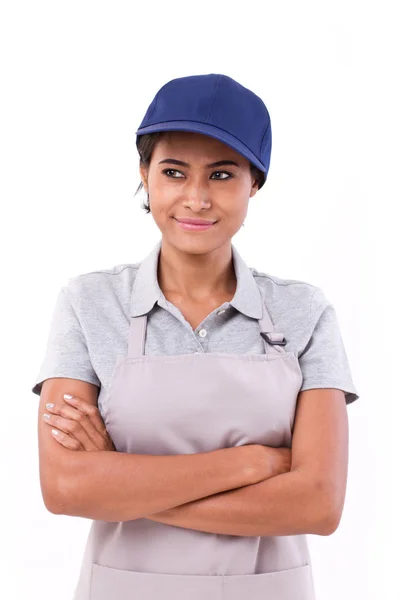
[(205, 425)]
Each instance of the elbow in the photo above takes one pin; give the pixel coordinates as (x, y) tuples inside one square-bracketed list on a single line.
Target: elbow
[(55, 496), (329, 510), (329, 525)]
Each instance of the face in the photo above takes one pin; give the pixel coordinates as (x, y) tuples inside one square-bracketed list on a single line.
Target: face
[(196, 190)]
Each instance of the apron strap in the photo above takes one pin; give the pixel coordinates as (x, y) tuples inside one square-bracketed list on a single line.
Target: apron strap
[(273, 340), (136, 338)]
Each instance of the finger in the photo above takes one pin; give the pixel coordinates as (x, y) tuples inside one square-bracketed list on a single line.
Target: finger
[(71, 427), (65, 440), (69, 412), (90, 409)]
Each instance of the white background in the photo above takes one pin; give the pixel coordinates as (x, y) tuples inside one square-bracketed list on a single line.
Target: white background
[(76, 80)]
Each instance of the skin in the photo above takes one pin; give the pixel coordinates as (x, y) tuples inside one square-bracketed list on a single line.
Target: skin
[(77, 424), (197, 265)]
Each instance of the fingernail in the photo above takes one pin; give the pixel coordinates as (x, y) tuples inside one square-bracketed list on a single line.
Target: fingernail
[(49, 405), (54, 431), (46, 416), (67, 396)]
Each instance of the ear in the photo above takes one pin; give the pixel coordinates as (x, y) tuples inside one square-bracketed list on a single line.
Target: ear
[(143, 174), (254, 188)]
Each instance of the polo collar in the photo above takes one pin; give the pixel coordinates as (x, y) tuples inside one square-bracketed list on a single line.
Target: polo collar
[(146, 290)]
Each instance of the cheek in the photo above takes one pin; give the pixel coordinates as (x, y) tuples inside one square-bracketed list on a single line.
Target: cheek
[(237, 210), (161, 199), (162, 211), (159, 212)]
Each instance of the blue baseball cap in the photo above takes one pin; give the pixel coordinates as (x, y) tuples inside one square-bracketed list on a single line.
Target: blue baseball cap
[(215, 105)]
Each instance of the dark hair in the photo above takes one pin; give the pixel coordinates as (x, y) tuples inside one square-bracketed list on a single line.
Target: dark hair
[(146, 144)]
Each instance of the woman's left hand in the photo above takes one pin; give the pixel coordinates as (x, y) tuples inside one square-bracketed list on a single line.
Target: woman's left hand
[(78, 425)]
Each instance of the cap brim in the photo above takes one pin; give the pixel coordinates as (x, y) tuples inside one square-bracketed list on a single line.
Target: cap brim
[(211, 131)]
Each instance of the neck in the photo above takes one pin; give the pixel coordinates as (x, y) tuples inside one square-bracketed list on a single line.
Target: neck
[(198, 277)]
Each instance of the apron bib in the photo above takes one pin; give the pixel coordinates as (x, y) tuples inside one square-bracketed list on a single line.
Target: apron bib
[(186, 404)]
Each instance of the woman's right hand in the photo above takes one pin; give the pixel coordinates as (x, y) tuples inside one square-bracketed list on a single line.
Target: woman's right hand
[(268, 461)]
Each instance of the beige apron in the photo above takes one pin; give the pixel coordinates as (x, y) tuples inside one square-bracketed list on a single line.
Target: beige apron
[(152, 407)]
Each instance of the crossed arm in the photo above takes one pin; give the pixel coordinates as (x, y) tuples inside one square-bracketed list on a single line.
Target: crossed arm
[(307, 499)]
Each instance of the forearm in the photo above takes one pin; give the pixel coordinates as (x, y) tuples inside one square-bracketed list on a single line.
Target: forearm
[(116, 486), (287, 504)]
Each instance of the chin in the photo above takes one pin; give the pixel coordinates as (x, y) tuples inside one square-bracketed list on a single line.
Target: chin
[(194, 244)]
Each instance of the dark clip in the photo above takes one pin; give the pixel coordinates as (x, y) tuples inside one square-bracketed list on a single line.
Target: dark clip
[(266, 337)]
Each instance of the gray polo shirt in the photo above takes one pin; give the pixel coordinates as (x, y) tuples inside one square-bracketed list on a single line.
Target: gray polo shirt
[(90, 323)]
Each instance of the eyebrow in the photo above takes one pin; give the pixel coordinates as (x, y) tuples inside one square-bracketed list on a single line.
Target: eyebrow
[(219, 163)]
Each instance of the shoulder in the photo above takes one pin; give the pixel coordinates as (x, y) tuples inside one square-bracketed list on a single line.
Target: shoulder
[(102, 288), (303, 300)]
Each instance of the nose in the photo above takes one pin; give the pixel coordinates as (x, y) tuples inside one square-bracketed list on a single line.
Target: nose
[(196, 197)]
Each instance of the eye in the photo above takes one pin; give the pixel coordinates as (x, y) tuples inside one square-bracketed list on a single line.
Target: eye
[(171, 170), (226, 173), (167, 171)]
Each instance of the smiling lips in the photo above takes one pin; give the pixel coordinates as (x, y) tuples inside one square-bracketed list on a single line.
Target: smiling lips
[(194, 224)]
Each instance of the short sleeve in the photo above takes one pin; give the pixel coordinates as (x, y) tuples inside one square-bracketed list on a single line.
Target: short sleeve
[(66, 353), (324, 362)]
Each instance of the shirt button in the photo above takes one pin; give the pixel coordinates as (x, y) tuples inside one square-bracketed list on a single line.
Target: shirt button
[(202, 333)]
